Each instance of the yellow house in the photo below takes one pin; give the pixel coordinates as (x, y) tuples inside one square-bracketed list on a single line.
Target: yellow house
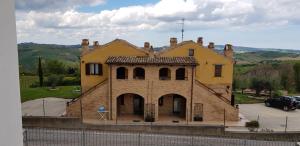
[(185, 82)]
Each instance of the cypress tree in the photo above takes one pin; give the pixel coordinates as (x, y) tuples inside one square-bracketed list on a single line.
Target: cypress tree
[(40, 72)]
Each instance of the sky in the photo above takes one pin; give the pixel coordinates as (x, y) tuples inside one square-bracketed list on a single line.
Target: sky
[(252, 23)]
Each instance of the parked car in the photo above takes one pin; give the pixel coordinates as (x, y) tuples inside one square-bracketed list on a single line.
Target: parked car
[(283, 102), (297, 98)]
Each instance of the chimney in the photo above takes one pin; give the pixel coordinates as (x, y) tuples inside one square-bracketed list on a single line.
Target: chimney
[(228, 51), (147, 45), (173, 42), (211, 45), (96, 44), (84, 46), (200, 41)]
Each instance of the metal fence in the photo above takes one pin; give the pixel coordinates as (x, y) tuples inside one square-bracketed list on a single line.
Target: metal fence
[(63, 137)]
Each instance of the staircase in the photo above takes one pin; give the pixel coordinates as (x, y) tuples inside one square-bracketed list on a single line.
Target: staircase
[(86, 92), (213, 92)]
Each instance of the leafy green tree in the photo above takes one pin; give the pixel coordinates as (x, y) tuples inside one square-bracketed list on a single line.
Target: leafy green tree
[(40, 72), (54, 79), (297, 75), (258, 85), (55, 67)]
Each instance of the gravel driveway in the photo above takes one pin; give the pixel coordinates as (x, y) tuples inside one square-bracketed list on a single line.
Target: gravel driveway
[(271, 118), (53, 107)]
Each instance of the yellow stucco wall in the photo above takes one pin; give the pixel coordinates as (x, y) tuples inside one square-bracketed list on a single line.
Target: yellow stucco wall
[(206, 58), (100, 55)]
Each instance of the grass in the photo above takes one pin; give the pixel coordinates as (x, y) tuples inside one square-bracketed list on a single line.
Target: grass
[(26, 81), (244, 99), (42, 92)]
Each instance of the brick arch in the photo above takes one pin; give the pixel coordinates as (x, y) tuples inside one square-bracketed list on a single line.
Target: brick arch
[(130, 106), (129, 93), (172, 106)]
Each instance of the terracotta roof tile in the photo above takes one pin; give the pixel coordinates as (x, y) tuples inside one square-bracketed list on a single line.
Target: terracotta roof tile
[(145, 60)]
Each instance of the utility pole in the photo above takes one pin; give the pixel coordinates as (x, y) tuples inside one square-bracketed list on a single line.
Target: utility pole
[(182, 28)]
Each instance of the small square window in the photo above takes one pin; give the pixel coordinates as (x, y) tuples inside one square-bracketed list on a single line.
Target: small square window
[(218, 70), (191, 52)]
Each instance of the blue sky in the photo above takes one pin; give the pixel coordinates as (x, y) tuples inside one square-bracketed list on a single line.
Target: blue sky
[(253, 23), (114, 4)]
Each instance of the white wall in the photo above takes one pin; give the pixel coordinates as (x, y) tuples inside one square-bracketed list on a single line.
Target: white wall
[(10, 106)]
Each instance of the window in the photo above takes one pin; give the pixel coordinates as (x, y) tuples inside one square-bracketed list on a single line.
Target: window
[(164, 74), (122, 73), (218, 70), (180, 74), (191, 52), (93, 69), (139, 73)]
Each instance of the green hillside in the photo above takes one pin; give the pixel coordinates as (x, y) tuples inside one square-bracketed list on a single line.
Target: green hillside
[(29, 52)]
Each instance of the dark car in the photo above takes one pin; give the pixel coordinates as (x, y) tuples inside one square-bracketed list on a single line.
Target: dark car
[(297, 98), (283, 102)]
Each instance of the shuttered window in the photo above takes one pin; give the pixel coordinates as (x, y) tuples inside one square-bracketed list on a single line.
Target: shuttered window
[(191, 52), (93, 69), (218, 70)]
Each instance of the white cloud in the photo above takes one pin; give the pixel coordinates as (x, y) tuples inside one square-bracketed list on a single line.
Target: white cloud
[(162, 16), (50, 5)]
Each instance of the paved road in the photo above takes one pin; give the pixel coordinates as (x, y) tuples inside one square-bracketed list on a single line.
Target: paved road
[(53, 107), (42, 137), (271, 118)]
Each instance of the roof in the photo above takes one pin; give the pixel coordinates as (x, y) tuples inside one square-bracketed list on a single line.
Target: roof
[(116, 40), (145, 60)]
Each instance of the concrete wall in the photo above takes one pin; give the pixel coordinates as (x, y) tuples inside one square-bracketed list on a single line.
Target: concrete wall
[(74, 123), (10, 105)]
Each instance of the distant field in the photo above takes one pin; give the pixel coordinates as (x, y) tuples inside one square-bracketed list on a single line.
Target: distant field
[(61, 92)]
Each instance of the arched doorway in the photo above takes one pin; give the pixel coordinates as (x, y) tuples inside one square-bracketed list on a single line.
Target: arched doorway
[(172, 107), (130, 107)]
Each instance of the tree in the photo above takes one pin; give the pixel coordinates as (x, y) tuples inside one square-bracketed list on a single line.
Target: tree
[(258, 85), (53, 80), (55, 67), (40, 72), (297, 75)]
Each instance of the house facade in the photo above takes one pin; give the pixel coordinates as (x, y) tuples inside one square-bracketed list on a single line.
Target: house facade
[(184, 82)]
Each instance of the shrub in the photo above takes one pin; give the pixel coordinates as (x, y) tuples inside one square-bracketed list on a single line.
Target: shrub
[(53, 80), (252, 124)]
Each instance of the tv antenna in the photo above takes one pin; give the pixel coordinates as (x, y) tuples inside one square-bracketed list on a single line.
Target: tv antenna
[(182, 28)]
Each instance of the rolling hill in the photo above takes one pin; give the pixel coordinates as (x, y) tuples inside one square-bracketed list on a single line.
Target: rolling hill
[(29, 53), (69, 54)]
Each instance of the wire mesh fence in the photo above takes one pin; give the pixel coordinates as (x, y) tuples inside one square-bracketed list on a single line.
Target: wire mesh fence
[(64, 137), (276, 123)]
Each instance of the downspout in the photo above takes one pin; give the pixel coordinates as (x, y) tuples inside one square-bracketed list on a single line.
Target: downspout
[(192, 90), (110, 91)]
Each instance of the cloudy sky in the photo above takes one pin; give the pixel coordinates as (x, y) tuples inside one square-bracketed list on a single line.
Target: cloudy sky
[(254, 23)]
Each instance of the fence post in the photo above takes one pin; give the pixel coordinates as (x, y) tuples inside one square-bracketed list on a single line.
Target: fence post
[(83, 138), (25, 137), (139, 140), (44, 113), (286, 119)]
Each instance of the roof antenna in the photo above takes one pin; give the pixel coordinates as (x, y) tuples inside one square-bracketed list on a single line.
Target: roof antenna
[(182, 26)]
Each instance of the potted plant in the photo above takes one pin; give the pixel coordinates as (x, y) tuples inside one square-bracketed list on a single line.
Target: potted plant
[(149, 118), (198, 118), (252, 125)]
